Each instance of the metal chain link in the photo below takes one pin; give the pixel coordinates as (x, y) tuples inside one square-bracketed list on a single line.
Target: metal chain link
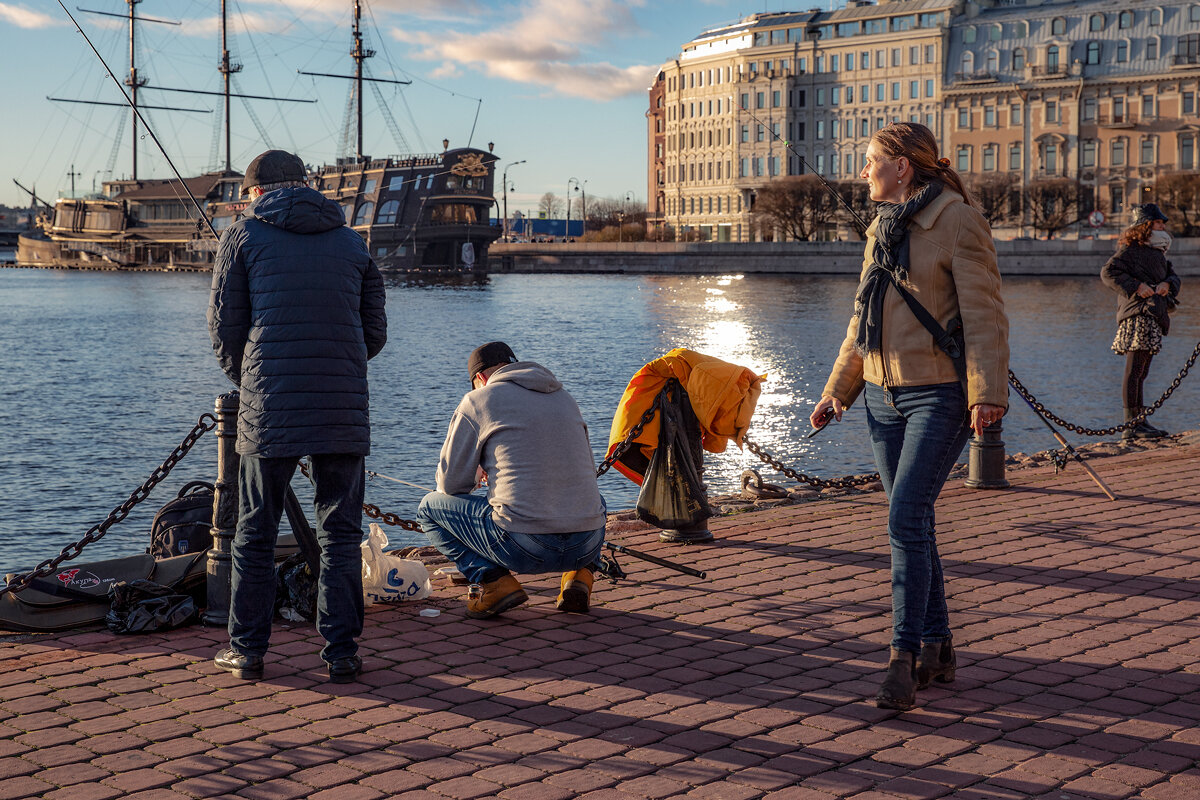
[(206, 423), (627, 442), (1134, 422), (848, 482)]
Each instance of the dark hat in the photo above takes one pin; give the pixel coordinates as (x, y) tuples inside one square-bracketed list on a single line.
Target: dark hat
[(488, 355), (273, 166), (1148, 213)]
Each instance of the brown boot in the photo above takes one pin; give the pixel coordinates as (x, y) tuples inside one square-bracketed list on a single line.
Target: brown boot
[(576, 591), (899, 688), (936, 662), (491, 598)]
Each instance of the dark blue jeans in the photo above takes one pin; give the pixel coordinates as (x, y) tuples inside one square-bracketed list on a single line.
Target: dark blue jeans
[(462, 528), (338, 487), (917, 433)]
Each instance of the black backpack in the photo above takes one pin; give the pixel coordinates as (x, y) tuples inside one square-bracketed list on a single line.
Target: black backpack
[(183, 525)]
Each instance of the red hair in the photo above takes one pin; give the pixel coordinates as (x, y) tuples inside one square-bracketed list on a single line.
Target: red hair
[(916, 143)]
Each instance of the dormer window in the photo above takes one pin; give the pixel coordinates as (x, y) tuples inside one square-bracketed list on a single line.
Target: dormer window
[(1096, 22), (1058, 26)]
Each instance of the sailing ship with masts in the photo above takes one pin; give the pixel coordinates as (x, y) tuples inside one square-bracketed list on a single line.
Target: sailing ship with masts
[(416, 212)]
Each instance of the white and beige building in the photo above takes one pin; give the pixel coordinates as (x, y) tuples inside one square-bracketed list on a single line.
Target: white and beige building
[(1098, 90)]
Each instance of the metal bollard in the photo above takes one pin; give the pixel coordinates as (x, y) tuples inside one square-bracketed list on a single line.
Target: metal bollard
[(225, 513), (985, 461)]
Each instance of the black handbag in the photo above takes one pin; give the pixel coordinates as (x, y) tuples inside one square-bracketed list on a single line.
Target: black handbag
[(673, 495)]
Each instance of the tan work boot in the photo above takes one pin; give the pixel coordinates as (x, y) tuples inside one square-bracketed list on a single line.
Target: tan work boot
[(576, 591), (491, 598), (899, 687)]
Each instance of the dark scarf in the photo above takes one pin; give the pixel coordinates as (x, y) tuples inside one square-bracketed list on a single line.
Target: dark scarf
[(889, 262)]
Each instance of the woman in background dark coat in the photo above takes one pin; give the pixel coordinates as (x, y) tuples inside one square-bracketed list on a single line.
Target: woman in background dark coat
[(1147, 287)]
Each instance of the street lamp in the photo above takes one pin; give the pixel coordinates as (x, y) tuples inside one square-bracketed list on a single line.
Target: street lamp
[(504, 180), (567, 232), (621, 216)]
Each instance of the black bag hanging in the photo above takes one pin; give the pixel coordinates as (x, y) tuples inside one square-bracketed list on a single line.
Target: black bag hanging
[(184, 524), (142, 606), (672, 495)]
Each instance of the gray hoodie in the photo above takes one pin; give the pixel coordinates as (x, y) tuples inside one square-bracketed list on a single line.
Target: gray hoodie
[(526, 432)]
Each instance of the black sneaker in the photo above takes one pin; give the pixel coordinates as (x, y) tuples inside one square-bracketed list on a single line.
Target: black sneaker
[(345, 670), (246, 668)]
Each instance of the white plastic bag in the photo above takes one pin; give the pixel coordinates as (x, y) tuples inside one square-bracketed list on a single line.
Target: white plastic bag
[(390, 579)]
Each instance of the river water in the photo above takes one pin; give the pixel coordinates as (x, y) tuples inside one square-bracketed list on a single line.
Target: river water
[(105, 372)]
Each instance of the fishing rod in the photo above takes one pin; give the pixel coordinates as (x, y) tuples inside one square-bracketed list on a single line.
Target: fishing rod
[(149, 130), (1071, 450)]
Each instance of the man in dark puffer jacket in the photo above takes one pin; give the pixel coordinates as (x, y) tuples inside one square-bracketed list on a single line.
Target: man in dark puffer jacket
[(297, 308)]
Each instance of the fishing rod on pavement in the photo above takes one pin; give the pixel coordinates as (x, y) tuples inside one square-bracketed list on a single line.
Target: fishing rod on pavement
[(149, 130), (1011, 376), (608, 564)]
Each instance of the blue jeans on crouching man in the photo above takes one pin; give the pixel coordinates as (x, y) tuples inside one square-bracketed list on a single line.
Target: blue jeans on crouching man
[(462, 528), (917, 434), (338, 497)]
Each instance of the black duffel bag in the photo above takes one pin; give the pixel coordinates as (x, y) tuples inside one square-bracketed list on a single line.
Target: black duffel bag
[(184, 524)]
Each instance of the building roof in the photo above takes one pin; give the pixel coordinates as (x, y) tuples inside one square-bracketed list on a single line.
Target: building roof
[(200, 187)]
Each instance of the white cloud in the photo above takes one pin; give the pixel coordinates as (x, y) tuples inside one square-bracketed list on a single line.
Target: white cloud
[(546, 45), (24, 18)]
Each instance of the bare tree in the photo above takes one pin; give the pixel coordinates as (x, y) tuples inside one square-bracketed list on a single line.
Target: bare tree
[(550, 206), (1052, 203), (798, 206), (1179, 195), (857, 195), (993, 192)]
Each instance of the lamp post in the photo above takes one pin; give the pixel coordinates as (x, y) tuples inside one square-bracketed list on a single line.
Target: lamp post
[(504, 180), (624, 213), (567, 232)]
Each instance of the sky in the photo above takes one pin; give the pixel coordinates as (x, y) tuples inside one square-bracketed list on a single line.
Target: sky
[(559, 84)]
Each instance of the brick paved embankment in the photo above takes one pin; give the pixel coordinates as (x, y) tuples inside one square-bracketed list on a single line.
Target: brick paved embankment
[(1077, 622)]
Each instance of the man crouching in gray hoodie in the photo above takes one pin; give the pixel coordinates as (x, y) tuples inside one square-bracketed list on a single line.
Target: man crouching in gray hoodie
[(520, 433)]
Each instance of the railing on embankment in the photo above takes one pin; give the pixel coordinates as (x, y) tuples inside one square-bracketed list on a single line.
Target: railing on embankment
[(1017, 257)]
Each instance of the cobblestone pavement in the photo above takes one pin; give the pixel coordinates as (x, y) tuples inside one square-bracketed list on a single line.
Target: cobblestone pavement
[(1076, 621)]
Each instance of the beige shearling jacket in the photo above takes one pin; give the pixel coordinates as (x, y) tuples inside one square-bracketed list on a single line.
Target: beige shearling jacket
[(952, 271)]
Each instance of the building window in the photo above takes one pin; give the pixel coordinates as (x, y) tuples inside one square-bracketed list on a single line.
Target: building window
[(1050, 159), (1088, 112), (993, 62), (1156, 16), (1118, 105), (760, 99), (1014, 156), (929, 87), (865, 58), (964, 159), (1151, 49), (1122, 51), (1118, 153), (914, 90), (396, 183), (989, 158), (1147, 106), (865, 94), (1058, 26), (1093, 52), (1096, 22), (820, 129), (1020, 29), (1194, 13), (1014, 114), (864, 128), (1052, 58), (760, 134), (835, 63), (363, 217), (801, 97), (387, 213), (895, 56), (1189, 102), (820, 163), (820, 97), (1187, 152), (1125, 19), (964, 119), (745, 133), (1117, 193), (993, 33), (969, 34), (1148, 150), (1018, 59), (775, 100), (1052, 111), (835, 96), (1087, 153), (930, 54), (879, 89), (895, 91)]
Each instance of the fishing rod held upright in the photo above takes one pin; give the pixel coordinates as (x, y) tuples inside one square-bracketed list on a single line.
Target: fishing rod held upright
[(145, 124)]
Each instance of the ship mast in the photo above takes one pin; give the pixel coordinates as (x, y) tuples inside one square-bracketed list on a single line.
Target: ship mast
[(359, 54), (226, 69)]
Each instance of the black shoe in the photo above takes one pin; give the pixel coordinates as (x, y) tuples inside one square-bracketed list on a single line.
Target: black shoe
[(246, 668), (345, 670), (899, 688)]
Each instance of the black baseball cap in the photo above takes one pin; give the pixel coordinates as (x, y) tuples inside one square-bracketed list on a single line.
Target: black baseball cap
[(1148, 212), (488, 355), (273, 166)]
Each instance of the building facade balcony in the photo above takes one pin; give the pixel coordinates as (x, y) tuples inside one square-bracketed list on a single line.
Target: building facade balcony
[(1125, 120)]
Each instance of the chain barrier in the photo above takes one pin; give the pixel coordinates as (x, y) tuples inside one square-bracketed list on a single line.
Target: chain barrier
[(819, 483), (627, 442), (1134, 422), (206, 423), (374, 512)]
